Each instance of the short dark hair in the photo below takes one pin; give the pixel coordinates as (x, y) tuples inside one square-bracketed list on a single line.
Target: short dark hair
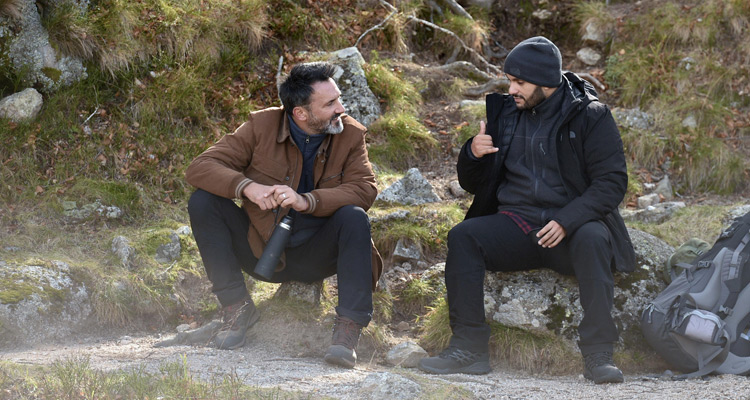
[(296, 90)]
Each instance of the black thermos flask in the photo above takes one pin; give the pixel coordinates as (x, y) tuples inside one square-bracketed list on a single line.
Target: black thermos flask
[(274, 248)]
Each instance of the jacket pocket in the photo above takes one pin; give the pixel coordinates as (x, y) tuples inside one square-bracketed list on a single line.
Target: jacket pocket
[(331, 181), (266, 170)]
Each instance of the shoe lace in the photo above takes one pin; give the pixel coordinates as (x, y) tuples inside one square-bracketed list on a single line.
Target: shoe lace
[(598, 359), (231, 314), (346, 332), (459, 355)]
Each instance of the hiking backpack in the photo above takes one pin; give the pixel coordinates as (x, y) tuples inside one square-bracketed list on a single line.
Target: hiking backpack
[(701, 321)]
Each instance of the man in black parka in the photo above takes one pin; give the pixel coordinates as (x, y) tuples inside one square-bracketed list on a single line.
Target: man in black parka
[(547, 173)]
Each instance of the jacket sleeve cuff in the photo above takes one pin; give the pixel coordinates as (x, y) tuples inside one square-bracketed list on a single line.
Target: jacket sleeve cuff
[(311, 203), (241, 187)]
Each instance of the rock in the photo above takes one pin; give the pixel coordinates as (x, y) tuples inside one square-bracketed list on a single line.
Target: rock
[(544, 301), (30, 53), (307, 292), (690, 122), (588, 56), (403, 326), (184, 231), (406, 354), (398, 214), (657, 213), (124, 252), (41, 302), (95, 209), (21, 106), (735, 213), (169, 252), (412, 189), (404, 252), (595, 33), (456, 190), (633, 118), (542, 15), (200, 336), (687, 63), (356, 95), (386, 385), (664, 189), (648, 200)]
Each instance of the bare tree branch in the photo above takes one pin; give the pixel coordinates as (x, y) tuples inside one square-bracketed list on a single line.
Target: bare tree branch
[(376, 27), (457, 9), (463, 44), (494, 85), (278, 72), (465, 69), (592, 80)]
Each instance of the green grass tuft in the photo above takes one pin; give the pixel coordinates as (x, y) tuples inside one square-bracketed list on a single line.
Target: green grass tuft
[(398, 138)]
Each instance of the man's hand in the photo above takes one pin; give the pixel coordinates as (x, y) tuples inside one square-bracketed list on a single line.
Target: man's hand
[(260, 195), (270, 197), (286, 197), (482, 143), (551, 235)]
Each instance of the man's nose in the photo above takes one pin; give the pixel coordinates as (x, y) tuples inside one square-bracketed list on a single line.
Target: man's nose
[(340, 107)]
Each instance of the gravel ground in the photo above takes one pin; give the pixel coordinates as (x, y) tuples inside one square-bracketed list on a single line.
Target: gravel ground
[(257, 364)]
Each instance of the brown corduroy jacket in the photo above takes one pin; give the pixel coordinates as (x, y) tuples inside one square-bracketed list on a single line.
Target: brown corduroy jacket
[(262, 150)]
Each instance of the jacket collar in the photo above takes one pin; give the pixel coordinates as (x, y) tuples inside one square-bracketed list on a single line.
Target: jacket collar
[(285, 132)]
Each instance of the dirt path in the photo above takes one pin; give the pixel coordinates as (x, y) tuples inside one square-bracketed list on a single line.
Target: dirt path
[(258, 364)]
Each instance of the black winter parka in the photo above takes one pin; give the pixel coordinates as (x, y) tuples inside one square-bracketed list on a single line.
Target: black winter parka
[(591, 163)]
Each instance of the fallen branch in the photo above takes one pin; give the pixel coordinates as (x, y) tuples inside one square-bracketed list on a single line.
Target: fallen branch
[(592, 80), (457, 9), (458, 39), (376, 27), (278, 72), (466, 69), (492, 86)]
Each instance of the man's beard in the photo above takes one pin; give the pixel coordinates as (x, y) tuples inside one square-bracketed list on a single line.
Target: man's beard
[(534, 100), (331, 127)]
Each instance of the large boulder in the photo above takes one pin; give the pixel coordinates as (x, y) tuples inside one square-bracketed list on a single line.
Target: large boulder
[(412, 189), (544, 301), (32, 57), (40, 302), (356, 95)]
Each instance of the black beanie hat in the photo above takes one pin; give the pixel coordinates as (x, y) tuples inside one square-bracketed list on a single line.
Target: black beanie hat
[(536, 60)]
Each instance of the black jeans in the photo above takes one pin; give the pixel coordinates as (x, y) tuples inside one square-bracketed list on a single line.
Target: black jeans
[(341, 246), (496, 243)]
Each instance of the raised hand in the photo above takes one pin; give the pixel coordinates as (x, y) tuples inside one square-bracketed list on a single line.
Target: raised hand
[(482, 143)]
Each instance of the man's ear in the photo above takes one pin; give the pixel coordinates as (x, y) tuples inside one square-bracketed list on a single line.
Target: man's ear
[(299, 113)]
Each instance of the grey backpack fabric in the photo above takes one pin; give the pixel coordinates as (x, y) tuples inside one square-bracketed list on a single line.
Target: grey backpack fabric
[(700, 324)]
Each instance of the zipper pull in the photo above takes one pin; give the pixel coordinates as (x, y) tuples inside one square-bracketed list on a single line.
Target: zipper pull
[(307, 139)]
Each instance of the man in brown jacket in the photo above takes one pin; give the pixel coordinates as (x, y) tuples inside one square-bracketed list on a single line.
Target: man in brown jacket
[(306, 159)]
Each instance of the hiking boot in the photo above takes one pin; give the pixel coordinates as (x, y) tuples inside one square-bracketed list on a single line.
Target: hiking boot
[(238, 318), (600, 368), (345, 338), (456, 361)]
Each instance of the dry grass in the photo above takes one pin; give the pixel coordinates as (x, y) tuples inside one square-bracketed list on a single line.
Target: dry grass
[(11, 8)]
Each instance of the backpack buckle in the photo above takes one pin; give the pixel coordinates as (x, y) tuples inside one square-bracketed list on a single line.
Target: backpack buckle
[(726, 311)]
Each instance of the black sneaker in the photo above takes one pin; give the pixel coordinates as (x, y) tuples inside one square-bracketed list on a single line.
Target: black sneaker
[(600, 368), (345, 339), (456, 361), (238, 318)]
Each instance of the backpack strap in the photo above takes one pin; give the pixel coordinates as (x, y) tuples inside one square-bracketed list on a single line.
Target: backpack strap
[(734, 283)]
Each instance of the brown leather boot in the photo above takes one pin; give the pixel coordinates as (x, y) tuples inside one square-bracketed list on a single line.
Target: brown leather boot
[(345, 338)]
